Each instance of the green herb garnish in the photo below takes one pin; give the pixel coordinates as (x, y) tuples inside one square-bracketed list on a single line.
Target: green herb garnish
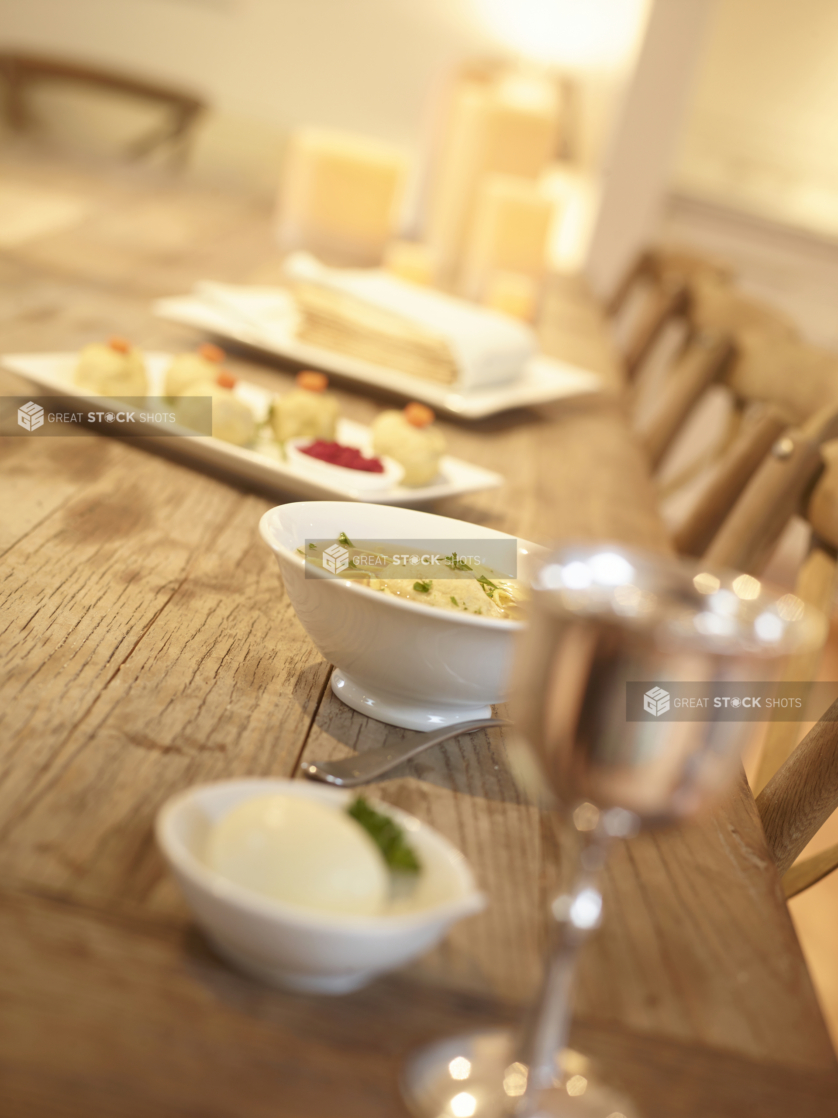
[(456, 564), (345, 540), (422, 587), (387, 836), (489, 587), (300, 552), (454, 601), (312, 547)]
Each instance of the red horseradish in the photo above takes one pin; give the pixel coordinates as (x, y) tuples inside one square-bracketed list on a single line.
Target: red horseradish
[(347, 456)]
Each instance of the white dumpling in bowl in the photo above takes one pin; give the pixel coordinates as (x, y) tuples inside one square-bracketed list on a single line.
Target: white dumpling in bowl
[(300, 852)]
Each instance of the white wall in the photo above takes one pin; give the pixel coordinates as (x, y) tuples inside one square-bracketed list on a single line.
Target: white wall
[(639, 162), (361, 65), (358, 64), (762, 129)]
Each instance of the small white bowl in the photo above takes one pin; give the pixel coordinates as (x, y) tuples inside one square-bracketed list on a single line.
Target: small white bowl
[(342, 475), (295, 947), (400, 661)]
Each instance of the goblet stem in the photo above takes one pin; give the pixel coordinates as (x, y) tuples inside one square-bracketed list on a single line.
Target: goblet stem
[(545, 1032)]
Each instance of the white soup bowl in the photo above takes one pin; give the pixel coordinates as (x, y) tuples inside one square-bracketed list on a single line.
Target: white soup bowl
[(397, 660)]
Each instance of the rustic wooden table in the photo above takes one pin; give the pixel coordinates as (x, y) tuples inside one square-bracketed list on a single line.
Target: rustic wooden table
[(147, 644)]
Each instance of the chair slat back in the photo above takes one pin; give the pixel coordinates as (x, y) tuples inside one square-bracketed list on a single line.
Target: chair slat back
[(810, 871), (700, 364), (815, 585), (801, 796), (769, 500), (761, 427), (667, 302)]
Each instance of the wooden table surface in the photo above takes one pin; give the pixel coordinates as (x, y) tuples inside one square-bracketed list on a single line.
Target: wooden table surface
[(147, 644)]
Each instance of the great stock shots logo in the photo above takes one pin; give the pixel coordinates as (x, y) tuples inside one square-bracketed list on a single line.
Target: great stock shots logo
[(336, 559), (30, 416), (731, 701), (61, 417), (656, 701), (422, 560)]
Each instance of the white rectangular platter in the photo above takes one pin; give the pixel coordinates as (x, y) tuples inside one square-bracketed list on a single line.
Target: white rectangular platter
[(265, 318), (263, 464)]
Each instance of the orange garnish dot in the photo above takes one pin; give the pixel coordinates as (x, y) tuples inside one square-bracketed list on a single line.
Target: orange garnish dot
[(419, 415), (226, 379), (211, 352), (120, 345), (313, 382)]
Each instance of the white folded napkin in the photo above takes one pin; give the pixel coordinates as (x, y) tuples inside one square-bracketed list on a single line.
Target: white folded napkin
[(486, 348)]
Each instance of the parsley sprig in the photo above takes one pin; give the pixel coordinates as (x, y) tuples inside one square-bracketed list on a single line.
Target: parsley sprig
[(387, 836)]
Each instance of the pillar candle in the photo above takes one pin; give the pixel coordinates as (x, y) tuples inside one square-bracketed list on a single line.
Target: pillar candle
[(512, 294), (339, 196), (508, 123), (410, 260), (509, 232)]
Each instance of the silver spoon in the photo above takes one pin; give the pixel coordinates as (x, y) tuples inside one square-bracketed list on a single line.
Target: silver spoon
[(351, 771)]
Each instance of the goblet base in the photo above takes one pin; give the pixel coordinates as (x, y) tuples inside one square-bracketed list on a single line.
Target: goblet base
[(476, 1076)]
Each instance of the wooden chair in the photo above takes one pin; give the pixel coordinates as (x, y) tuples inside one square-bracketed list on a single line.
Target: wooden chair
[(674, 290), (773, 377), (21, 71), (664, 284), (796, 788), (781, 463)]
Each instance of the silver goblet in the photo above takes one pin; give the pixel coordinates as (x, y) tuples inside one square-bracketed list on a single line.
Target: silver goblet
[(602, 618)]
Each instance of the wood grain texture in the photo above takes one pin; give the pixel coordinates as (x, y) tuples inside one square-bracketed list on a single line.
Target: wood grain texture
[(809, 871), (667, 959), (802, 795), (822, 507), (82, 588), (172, 1031), (146, 643), (225, 684)]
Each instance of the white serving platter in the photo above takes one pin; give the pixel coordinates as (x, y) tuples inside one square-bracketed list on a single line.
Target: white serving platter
[(265, 318), (263, 464)]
